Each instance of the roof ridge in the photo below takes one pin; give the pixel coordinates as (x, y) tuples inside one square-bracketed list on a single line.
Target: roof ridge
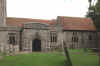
[(74, 17), (27, 18)]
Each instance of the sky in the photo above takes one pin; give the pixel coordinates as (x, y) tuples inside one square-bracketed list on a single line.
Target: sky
[(46, 9)]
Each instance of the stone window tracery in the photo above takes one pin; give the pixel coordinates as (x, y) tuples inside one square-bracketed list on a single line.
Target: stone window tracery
[(74, 37), (53, 36), (90, 37), (12, 38)]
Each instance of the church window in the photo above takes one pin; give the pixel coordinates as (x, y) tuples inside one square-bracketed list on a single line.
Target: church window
[(11, 38), (90, 37), (74, 33), (74, 39), (53, 37)]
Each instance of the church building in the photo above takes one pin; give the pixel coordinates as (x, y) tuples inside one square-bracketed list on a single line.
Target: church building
[(32, 35)]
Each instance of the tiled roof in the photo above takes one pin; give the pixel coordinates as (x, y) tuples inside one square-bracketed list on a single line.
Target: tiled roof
[(11, 21), (68, 23), (76, 23)]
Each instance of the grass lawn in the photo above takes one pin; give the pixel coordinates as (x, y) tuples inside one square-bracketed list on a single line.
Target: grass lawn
[(81, 58), (78, 57)]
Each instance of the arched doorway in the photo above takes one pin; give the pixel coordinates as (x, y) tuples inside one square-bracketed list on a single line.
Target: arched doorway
[(36, 45)]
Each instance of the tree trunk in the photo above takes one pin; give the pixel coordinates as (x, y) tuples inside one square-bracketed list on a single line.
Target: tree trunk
[(99, 54), (67, 54), (0, 55)]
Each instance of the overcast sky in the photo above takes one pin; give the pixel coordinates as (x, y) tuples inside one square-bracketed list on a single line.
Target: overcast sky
[(46, 9)]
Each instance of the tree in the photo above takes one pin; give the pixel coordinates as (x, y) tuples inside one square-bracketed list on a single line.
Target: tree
[(90, 1), (67, 54), (94, 13), (0, 55)]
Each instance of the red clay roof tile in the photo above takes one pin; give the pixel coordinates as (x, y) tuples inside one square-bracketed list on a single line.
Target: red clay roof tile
[(76, 23), (68, 23), (11, 21)]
